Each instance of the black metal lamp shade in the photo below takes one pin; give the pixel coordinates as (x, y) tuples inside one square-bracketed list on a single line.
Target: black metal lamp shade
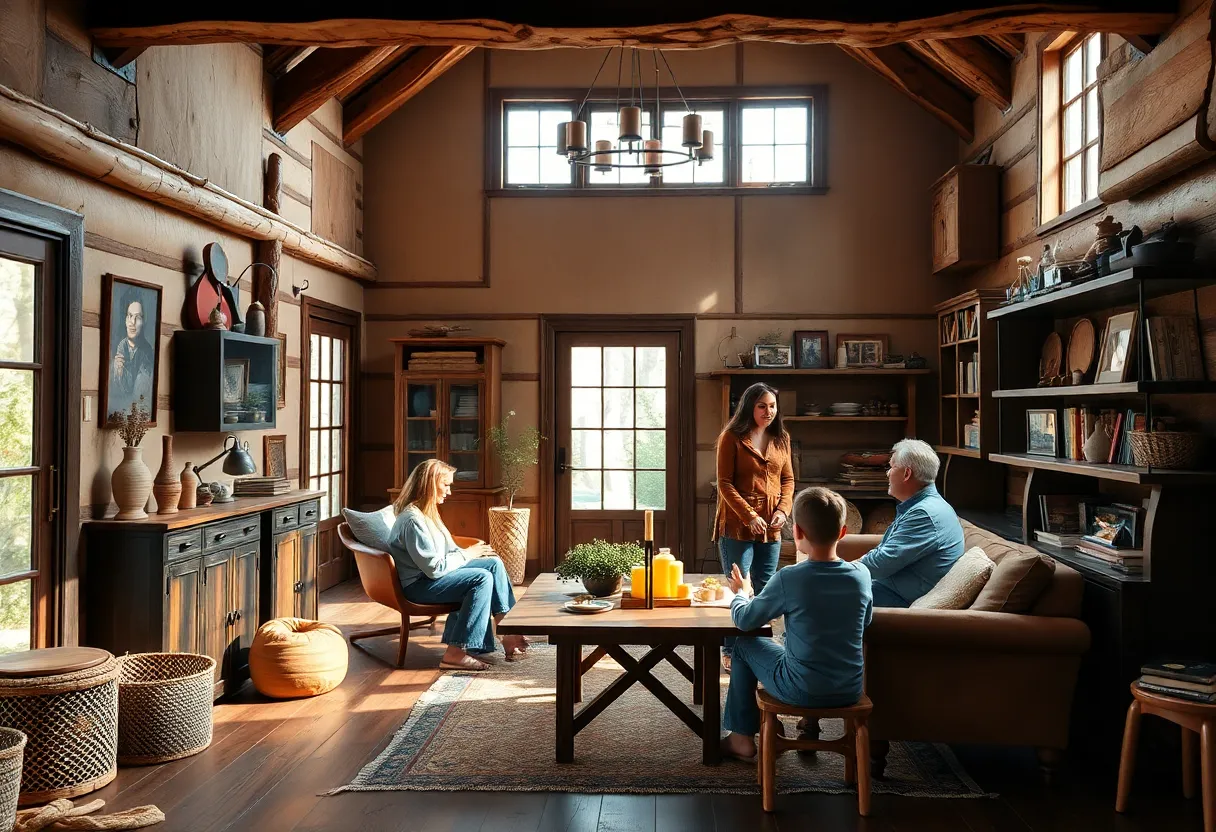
[(237, 462)]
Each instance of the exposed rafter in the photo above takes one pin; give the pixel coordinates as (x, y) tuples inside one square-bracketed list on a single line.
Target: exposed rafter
[(319, 77), (405, 81), (921, 83), (120, 56), (376, 73), (976, 66), (544, 26), (1011, 44), (279, 60)]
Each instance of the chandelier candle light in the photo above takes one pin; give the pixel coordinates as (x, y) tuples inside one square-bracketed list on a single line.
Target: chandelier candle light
[(631, 150)]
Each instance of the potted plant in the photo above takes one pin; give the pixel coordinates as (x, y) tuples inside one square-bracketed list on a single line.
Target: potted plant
[(255, 403), (508, 524), (131, 482), (600, 565)]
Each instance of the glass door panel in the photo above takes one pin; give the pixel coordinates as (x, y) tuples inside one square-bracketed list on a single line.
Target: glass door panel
[(422, 423), (464, 445)]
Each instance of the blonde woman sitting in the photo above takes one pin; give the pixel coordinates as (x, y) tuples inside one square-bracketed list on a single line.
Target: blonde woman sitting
[(434, 570)]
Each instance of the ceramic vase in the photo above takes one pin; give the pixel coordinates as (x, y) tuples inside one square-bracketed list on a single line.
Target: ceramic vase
[(842, 357), (1097, 446), (189, 480), (131, 483), (255, 319), (509, 539), (166, 488)]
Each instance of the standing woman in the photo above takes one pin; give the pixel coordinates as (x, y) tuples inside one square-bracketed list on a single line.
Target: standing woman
[(755, 489)]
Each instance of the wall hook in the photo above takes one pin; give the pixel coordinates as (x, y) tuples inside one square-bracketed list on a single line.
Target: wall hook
[(296, 291)]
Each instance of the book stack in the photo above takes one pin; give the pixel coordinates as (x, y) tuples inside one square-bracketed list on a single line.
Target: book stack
[(458, 361), (1060, 516), (1173, 348), (865, 476), (1193, 681), (1114, 536), (260, 486), (969, 376)]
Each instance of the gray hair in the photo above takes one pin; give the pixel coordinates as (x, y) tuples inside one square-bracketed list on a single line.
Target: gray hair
[(919, 456)]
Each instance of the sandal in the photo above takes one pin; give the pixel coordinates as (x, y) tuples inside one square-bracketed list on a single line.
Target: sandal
[(467, 663)]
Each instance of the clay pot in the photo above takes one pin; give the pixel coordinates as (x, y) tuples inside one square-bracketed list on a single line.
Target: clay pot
[(131, 483), (255, 319), (602, 589), (167, 488), (189, 480), (1097, 446)]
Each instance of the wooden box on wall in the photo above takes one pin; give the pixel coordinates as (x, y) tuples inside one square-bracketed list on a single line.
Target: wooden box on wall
[(966, 218)]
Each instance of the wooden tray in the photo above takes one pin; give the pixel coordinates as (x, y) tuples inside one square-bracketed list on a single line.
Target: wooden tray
[(628, 602), (1081, 343), (1053, 352)]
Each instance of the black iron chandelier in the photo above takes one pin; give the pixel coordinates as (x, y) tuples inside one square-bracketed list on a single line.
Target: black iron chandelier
[(631, 150)]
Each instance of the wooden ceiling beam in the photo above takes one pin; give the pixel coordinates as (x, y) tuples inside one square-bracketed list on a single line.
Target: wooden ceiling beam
[(1011, 43), (976, 66), (279, 60), (375, 72), (921, 83), (120, 56), (377, 103), (545, 26), (319, 77)]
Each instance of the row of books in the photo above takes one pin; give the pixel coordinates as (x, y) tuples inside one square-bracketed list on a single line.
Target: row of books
[(1192, 681), (964, 323), (969, 376), (445, 360), (1173, 348), (260, 486), (1077, 424)]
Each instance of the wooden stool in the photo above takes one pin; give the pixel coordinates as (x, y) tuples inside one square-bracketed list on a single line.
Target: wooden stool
[(854, 745), (1194, 718)]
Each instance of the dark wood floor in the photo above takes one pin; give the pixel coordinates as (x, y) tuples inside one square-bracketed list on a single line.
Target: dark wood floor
[(270, 760)]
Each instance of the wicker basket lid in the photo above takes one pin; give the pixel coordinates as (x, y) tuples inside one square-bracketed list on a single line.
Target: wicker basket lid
[(52, 661)]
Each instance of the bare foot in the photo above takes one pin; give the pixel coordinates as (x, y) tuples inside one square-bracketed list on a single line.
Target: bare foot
[(739, 746), (514, 646), (455, 658)]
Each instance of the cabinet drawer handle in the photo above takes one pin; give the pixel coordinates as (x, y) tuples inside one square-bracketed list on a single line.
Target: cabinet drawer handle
[(248, 529), (309, 513), (221, 536), (184, 546), (286, 519)]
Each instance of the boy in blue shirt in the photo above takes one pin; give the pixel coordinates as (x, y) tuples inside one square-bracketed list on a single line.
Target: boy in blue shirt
[(827, 606)]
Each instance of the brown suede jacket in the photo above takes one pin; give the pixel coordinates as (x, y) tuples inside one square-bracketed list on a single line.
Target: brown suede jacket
[(751, 484)]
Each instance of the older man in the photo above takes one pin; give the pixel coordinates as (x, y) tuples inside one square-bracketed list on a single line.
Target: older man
[(925, 539)]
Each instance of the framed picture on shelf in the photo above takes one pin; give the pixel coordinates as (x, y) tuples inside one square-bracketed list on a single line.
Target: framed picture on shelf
[(775, 356), (236, 380), (811, 349), (1118, 346), (130, 346), (863, 350), (274, 455), (1041, 436)]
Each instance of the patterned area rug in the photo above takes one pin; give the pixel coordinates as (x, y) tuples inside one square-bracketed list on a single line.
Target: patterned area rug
[(494, 731)]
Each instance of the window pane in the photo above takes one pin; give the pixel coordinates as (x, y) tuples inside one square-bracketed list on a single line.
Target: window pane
[(339, 357), (554, 169), (652, 407), (1091, 115), (314, 454), (585, 490), (314, 404), (618, 490), (549, 119), (1091, 173), (652, 366), (523, 127), (17, 314), (585, 408), (652, 490), (16, 417), (335, 452), (585, 366), (314, 484), (314, 356), (16, 525), (757, 125), (323, 417), (1072, 74), (326, 360), (673, 136), (1072, 183), (790, 125), (336, 397), (605, 125), (618, 408), (757, 164), (523, 166), (585, 449), (1072, 128), (651, 449), (16, 616), (324, 465), (618, 449), (790, 163), (1093, 46), (335, 496), (618, 366)]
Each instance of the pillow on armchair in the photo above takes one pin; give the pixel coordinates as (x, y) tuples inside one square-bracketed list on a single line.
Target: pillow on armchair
[(371, 528), (961, 585), (1016, 583)]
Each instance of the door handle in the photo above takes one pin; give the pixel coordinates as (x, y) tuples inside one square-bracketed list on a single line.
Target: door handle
[(298, 586), (53, 492), (561, 461)]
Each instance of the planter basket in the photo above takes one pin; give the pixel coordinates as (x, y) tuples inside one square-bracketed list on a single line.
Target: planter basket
[(164, 706), (509, 539), (1166, 449), (12, 747)]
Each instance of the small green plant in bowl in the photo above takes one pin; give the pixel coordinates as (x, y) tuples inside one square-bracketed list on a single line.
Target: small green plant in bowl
[(600, 565)]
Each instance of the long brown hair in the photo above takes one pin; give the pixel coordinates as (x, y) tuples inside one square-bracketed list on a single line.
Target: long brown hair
[(744, 422), (422, 489)]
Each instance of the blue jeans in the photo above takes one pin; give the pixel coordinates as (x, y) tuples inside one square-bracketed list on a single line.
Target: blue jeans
[(483, 590), (760, 660), (885, 597), (755, 557)]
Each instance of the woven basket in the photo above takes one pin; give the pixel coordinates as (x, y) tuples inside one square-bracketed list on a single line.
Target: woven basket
[(12, 747), (509, 539), (71, 722), (164, 706), (1166, 449)]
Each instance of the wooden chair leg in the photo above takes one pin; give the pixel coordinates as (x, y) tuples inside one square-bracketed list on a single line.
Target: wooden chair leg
[(849, 750), (429, 623), (1207, 764), (405, 639), (1190, 743), (768, 761), (1127, 759), (863, 769)]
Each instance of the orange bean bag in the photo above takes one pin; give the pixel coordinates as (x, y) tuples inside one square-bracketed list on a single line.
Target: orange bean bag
[(293, 657)]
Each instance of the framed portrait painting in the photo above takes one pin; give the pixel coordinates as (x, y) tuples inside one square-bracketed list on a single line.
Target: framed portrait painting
[(130, 346), (1118, 346), (811, 349), (863, 350)]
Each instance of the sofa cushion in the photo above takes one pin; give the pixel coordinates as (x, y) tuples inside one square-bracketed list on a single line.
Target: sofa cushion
[(1016, 583), (960, 586), (1062, 597), (371, 528)]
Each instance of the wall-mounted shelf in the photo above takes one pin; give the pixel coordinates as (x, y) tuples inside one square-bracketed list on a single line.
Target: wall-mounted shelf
[(1128, 388), (1117, 473), (1118, 289), (200, 357), (852, 373)]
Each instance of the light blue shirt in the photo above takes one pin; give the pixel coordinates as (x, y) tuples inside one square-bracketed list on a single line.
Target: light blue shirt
[(827, 607), (421, 548), (917, 549)]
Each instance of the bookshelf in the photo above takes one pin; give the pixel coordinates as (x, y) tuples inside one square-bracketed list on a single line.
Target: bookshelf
[(967, 351)]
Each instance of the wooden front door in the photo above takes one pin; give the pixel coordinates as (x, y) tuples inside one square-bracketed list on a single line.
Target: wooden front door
[(617, 413), (331, 365)]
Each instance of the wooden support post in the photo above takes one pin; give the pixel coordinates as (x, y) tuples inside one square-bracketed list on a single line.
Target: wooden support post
[(270, 252)]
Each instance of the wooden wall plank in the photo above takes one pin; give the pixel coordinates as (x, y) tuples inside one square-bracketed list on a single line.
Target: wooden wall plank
[(85, 90), (334, 213), (22, 32)]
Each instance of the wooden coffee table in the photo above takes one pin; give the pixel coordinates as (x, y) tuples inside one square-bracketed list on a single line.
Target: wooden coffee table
[(539, 613)]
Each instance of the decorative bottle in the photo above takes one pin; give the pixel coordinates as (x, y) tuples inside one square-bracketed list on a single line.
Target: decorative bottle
[(189, 497), (167, 488)]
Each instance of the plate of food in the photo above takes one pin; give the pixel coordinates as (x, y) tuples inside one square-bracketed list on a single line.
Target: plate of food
[(587, 605), (712, 591)]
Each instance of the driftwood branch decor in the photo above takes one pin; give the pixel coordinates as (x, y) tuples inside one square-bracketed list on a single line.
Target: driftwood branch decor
[(270, 252)]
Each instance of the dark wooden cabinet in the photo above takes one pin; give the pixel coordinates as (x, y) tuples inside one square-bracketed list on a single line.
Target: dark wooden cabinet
[(965, 209), (199, 360), (194, 582)]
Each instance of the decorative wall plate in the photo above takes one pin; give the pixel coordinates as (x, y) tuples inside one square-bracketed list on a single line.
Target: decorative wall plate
[(1081, 345), (1053, 352)]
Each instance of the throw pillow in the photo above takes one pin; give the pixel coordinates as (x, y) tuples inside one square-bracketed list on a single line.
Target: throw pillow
[(960, 586), (371, 528), (1016, 583)]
